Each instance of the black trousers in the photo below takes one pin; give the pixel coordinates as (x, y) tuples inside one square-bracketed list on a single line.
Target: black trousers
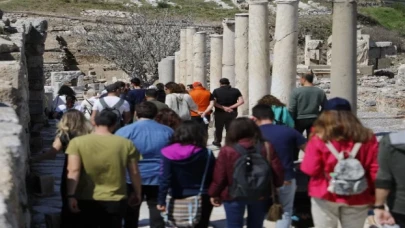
[(301, 126), (304, 125), (399, 219), (150, 194), (205, 213), (223, 119), (200, 120), (101, 214)]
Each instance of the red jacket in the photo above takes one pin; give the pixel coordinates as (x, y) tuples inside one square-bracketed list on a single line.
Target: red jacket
[(223, 171), (319, 162)]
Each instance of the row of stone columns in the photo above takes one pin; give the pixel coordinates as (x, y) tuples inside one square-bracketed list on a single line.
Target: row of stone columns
[(242, 53)]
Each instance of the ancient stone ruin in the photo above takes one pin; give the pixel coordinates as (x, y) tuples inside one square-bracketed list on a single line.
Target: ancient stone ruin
[(21, 112)]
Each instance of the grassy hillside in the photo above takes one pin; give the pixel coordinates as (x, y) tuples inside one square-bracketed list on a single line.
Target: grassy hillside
[(392, 18), (197, 8)]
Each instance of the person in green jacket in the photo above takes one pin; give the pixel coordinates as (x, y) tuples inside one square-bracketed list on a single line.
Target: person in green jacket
[(281, 114)]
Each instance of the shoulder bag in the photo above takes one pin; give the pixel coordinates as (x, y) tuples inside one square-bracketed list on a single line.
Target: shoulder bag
[(276, 209), (186, 213)]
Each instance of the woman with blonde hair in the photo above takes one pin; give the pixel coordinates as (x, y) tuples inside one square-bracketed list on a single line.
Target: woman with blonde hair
[(341, 160), (281, 114), (72, 124)]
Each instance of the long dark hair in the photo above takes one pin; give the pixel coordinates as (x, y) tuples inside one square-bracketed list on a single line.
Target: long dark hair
[(66, 90), (190, 132), (168, 117), (243, 128)]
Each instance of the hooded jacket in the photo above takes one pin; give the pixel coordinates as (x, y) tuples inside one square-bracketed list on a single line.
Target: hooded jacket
[(391, 174), (182, 170)]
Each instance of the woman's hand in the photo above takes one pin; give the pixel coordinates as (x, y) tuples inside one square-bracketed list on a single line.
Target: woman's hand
[(161, 208), (383, 217), (73, 205), (216, 201)]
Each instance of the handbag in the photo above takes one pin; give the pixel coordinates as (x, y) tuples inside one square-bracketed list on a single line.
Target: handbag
[(276, 209), (186, 213)]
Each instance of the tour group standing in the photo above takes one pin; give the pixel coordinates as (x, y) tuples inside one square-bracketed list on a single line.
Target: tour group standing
[(151, 145)]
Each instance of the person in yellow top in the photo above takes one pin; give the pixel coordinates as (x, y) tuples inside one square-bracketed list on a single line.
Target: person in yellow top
[(97, 165)]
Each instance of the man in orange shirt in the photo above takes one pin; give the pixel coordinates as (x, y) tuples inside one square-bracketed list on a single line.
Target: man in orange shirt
[(205, 102)]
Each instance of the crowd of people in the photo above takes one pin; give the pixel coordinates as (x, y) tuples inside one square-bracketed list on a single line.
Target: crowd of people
[(133, 145)]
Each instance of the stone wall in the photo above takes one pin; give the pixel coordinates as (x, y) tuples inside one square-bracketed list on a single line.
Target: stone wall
[(14, 211), (22, 93)]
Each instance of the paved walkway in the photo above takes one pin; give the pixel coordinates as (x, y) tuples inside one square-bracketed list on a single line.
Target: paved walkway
[(52, 204)]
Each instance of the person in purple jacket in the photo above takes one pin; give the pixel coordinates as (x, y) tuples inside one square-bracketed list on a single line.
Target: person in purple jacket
[(183, 166)]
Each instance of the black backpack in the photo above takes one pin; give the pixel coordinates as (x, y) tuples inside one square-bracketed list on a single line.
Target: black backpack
[(251, 176), (114, 109)]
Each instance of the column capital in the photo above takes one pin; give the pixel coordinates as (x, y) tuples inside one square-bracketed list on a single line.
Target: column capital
[(202, 32), (216, 36), (191, 27), (286, 1), (228, 21), (262, 2), (242, 15)]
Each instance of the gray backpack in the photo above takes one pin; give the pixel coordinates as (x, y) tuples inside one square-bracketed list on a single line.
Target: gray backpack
[(349, 176), (115, 109)]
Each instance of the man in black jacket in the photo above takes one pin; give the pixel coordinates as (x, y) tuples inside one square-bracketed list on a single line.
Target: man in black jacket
[(390, 183)]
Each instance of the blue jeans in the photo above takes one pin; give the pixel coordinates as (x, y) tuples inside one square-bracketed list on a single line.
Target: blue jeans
[(235, 211), (286, 197)]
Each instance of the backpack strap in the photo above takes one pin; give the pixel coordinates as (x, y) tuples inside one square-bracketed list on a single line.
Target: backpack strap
[(119, 104), (240, 149), (355, 150), (205, 171), (280, 117), (333, 150), (103, 103), (89, 103)]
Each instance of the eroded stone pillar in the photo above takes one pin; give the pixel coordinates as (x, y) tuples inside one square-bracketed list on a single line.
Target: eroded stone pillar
[(228, 51), (177, 66), (285, 50), (183, 56), (190, 54), (307, 58), (344, 56), (242, 59), (200, 62), (166, 70), (215, 61), (259, 60)]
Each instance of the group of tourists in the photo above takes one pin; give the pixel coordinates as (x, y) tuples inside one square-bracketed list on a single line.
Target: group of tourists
[(128, 146)]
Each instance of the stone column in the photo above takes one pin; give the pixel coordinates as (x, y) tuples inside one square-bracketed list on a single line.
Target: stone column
[(200, 62), (183, 56), (177, 66), (259, 60), (242, 59), (166, 70), (228, 51), (34, 50), (306, 54), (344, 48), (190, 54), (285, 50), (215, 61)]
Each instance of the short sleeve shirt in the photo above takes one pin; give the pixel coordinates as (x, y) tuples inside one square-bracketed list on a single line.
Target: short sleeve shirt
[(111, 101), (226, 96), (104, 161)]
